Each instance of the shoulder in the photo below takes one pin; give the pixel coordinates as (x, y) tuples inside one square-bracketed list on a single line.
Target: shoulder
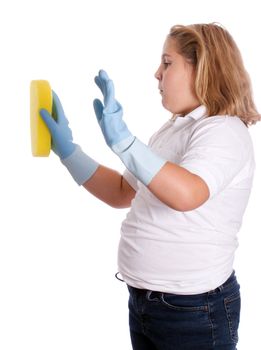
[(223, 125), (222, 133)]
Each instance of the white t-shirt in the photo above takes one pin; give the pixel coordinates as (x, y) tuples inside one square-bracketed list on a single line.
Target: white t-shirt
[(190, 252)]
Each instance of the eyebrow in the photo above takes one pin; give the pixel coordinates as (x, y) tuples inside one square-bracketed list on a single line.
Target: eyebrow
[(165, 55)]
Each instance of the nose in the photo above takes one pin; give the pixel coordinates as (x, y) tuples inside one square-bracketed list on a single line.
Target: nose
[(157, 74)]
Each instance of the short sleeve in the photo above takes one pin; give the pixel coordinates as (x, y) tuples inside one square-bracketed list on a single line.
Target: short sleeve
[(216, 152), (131, 179)]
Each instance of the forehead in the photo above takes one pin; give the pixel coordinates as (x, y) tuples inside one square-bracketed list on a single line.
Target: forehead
[(170, 50), (169, 47)]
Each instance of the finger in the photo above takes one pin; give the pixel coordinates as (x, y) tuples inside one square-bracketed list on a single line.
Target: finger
[(107, 87), (109, 100), (58, 112), (49, 121), (101, 83), (102, 79), (98, 108), (103, 75), (57, 103), (98, 82)]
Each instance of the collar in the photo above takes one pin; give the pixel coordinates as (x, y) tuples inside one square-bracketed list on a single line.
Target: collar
[(197, 113)]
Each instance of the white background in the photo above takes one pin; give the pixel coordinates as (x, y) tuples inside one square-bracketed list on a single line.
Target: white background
[(58, 244)]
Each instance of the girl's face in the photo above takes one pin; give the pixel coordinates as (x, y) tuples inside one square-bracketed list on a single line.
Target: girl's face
[(176, 81)]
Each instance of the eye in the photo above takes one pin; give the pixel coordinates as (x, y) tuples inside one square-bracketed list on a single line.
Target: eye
[(166, 64)]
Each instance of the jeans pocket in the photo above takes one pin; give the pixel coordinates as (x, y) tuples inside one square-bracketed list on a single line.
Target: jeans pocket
[(181, 304), (232, 307)]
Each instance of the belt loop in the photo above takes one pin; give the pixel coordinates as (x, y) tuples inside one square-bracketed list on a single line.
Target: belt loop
[(148, 294), (152, 295), (118, 278), (220, 288)]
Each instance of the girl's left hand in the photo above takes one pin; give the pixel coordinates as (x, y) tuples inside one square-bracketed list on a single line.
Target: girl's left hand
[(109, 115)]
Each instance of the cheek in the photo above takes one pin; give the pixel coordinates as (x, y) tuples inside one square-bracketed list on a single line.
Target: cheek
[(176, 88), (190, 80), (176, 81), (177, 93), (183, 86)]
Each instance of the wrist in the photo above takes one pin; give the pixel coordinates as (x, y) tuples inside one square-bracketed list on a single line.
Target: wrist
[(66, 150), (123, 145), (80, 165), (141, 161)]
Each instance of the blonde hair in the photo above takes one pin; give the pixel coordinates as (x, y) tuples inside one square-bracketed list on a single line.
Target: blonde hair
[(222, 83)]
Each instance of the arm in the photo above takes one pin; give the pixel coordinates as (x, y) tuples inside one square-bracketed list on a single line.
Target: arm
[(179, 188), (104, 183), (110, 187), (187, 192), (172, 184)]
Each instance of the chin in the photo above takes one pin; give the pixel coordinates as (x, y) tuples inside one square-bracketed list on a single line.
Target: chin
[(166, 106), (170, 109)]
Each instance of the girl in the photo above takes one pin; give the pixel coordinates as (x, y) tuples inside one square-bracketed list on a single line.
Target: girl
[(188, 190)]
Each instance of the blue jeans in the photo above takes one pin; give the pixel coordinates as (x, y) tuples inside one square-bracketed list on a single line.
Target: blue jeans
[(163, 321)]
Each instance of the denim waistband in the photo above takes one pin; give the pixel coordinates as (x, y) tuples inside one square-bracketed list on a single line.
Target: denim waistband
[(229, 283), (226, 285)]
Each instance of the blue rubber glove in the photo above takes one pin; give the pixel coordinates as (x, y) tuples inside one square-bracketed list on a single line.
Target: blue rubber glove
[(139, 159), (62, 139), (79, 164), (109, 116)]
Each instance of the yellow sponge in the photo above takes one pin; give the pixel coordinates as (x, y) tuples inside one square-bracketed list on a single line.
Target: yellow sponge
[(40, 97)]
